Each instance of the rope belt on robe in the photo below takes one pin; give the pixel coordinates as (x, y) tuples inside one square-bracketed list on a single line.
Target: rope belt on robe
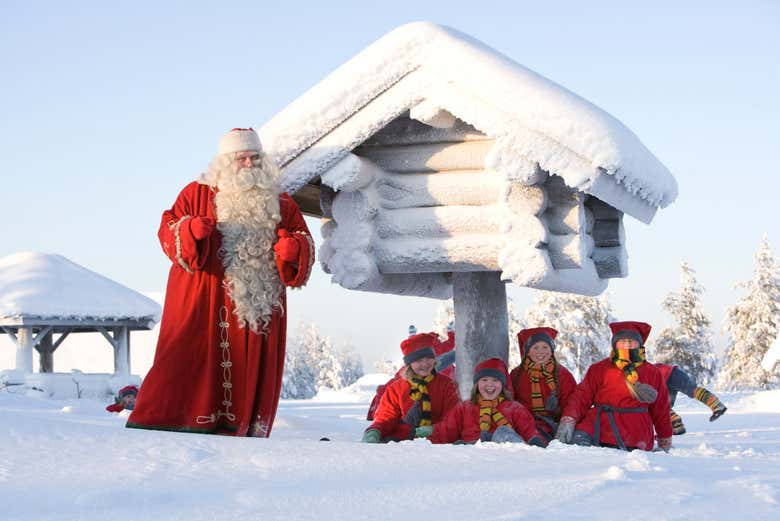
[(610, 412)]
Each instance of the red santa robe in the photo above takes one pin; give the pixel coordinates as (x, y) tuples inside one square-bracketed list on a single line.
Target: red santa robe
[(462, 423), (396, 402), (521, 387), (210, 375), (605, 384)]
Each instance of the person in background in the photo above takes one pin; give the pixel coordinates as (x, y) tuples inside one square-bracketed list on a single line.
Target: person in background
[(490, 415), (125, 399), (540, 382), (678, 380), (420, 398), (621, 400)]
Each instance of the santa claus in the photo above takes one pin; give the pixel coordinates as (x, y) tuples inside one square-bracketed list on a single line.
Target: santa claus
[(235, 242)]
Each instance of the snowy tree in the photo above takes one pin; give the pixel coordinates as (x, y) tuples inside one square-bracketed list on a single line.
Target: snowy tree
[(298, 379), (515, 325), (687, 344), (387, 366), (310, 363), (582, 323), (351, 365), (752, 326), (446, 314)]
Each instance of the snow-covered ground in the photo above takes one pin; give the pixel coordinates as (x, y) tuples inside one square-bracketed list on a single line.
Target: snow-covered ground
[(71, 460)]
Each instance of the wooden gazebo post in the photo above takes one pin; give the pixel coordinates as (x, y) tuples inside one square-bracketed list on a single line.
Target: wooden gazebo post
[(481, 326)]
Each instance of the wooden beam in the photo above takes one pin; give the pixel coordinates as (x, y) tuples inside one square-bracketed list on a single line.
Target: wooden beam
[(107, 336), (46, 358), (10, 333), (62, 337)]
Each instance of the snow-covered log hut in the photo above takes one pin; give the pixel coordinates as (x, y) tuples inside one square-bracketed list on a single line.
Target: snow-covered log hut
[(43, 295), (441, 167)]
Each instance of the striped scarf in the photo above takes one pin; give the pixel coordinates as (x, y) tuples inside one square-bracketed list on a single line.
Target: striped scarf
[(535, 373), (627, 360), (489, 413), (419, 391)]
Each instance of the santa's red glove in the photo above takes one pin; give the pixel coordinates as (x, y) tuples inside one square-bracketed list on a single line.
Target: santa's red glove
[(286, 248), (201, 227)]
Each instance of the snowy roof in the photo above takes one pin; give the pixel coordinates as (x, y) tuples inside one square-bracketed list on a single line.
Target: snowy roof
[(41, 285), (425, 67)]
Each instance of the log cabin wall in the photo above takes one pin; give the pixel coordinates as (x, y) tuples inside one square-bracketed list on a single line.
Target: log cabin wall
[(419, 200)]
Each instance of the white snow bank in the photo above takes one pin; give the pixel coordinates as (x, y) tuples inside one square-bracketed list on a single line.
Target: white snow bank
[(51, 286), (763, 402), (361, 391), (73, 460)]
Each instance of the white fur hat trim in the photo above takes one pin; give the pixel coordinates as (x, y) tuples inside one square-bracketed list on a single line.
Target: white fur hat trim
[(239, 139)]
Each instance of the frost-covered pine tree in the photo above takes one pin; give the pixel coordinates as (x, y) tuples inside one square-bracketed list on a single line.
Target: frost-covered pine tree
[(299, 379), (387, 366), (446, 314), (688, 343), (582, 323), (752, 326), (351, 365), (319, 354), (515, 325)]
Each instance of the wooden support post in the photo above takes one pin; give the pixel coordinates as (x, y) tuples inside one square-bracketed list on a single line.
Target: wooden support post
[(46, 352), (24, 350), (122, 351), (481, 325)]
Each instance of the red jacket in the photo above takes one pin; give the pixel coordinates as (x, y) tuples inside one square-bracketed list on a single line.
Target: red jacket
[(462, 422), (666, 370), (441, 348), (396, 402), (210, 375), (606, 384), (565, 384)]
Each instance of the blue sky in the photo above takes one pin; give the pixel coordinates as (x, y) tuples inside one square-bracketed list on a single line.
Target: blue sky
[(110, 108)]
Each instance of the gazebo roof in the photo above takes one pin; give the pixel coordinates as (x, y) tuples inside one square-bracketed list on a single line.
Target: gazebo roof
[(42, 289), (424, 67)]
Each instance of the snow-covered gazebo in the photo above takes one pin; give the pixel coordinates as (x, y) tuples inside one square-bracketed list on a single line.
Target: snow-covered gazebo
[(443, 168), (43, 295)]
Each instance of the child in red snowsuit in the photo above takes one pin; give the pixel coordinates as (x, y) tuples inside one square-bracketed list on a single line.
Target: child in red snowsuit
[(419, 399), (490, 414), (540, 383), (621, 399), (445, 366), (125, 399)]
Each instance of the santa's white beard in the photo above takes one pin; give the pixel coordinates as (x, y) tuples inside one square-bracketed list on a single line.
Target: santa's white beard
[(247, 205)]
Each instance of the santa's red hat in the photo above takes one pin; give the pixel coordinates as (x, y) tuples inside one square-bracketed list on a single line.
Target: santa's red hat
[(530, 336), (638, 331), (419, 346), (494, 367), (239, 139)]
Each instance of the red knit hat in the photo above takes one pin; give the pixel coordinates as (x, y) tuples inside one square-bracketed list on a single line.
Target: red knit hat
[(419, 346), (128, 389), (530, 336), (638, 331), (494, 367)]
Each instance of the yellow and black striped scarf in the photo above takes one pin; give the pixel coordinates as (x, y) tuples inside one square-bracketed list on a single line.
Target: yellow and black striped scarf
[(419, 391), (627, 360), (489, 413), (536, 372)]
